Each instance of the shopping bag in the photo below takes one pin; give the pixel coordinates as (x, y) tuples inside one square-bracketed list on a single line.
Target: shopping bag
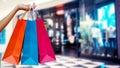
[(14, 48), (46, 53), (30, 45)]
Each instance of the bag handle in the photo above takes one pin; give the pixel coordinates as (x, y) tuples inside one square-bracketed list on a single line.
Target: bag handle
[(29, 13), (23, 15), (32, 12), (35, 11)]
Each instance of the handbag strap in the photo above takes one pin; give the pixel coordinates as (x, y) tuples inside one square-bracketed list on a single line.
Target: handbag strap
[(33, 13), (28, 13), (23, 15), (37, 13)]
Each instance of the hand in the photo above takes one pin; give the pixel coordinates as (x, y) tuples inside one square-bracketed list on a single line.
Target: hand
[(23, 7)]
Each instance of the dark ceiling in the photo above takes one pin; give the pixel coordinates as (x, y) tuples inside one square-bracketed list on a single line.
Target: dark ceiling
[(74, 4)]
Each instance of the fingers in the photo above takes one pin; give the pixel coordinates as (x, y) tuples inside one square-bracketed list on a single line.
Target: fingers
[(26, 7), (23, 7)]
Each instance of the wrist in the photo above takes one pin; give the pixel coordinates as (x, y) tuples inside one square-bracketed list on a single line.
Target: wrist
[(17, 8)]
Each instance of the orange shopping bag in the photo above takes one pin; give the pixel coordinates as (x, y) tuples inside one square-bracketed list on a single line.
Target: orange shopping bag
[(14, 48)]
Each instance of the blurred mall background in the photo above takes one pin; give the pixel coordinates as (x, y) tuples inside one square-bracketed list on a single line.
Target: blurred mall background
[(83, 33)]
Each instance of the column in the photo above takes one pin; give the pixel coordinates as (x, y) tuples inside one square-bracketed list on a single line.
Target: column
[(117, 9)]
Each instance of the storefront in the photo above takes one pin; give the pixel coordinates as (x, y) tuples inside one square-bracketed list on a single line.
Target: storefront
[(89, 27), (83, 33)]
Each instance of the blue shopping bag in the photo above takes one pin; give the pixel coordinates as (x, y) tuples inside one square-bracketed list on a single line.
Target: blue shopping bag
[(30, 45)]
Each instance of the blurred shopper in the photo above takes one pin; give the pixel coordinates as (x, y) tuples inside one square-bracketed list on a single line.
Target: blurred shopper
[(111, 35), (62, 36), (111, 32), (104, 40), (7, 19), (51, 32), (78, 39), (95, 37)]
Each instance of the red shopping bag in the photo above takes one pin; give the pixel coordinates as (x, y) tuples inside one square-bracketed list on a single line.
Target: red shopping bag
[(13, 50), (46, 53)]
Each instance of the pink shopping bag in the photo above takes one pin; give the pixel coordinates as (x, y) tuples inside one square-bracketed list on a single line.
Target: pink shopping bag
[(46, 53)]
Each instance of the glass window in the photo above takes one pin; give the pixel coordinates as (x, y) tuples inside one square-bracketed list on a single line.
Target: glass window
[(2, 37)]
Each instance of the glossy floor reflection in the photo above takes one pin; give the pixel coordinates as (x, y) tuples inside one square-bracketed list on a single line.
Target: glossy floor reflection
[(61, 62), (65, 62)]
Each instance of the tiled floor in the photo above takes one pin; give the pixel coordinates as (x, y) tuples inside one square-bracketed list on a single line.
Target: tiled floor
[(68, 59), (65, 62), (61, 62)]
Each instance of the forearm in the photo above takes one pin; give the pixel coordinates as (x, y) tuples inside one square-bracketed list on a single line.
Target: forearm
[(7, 19)]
